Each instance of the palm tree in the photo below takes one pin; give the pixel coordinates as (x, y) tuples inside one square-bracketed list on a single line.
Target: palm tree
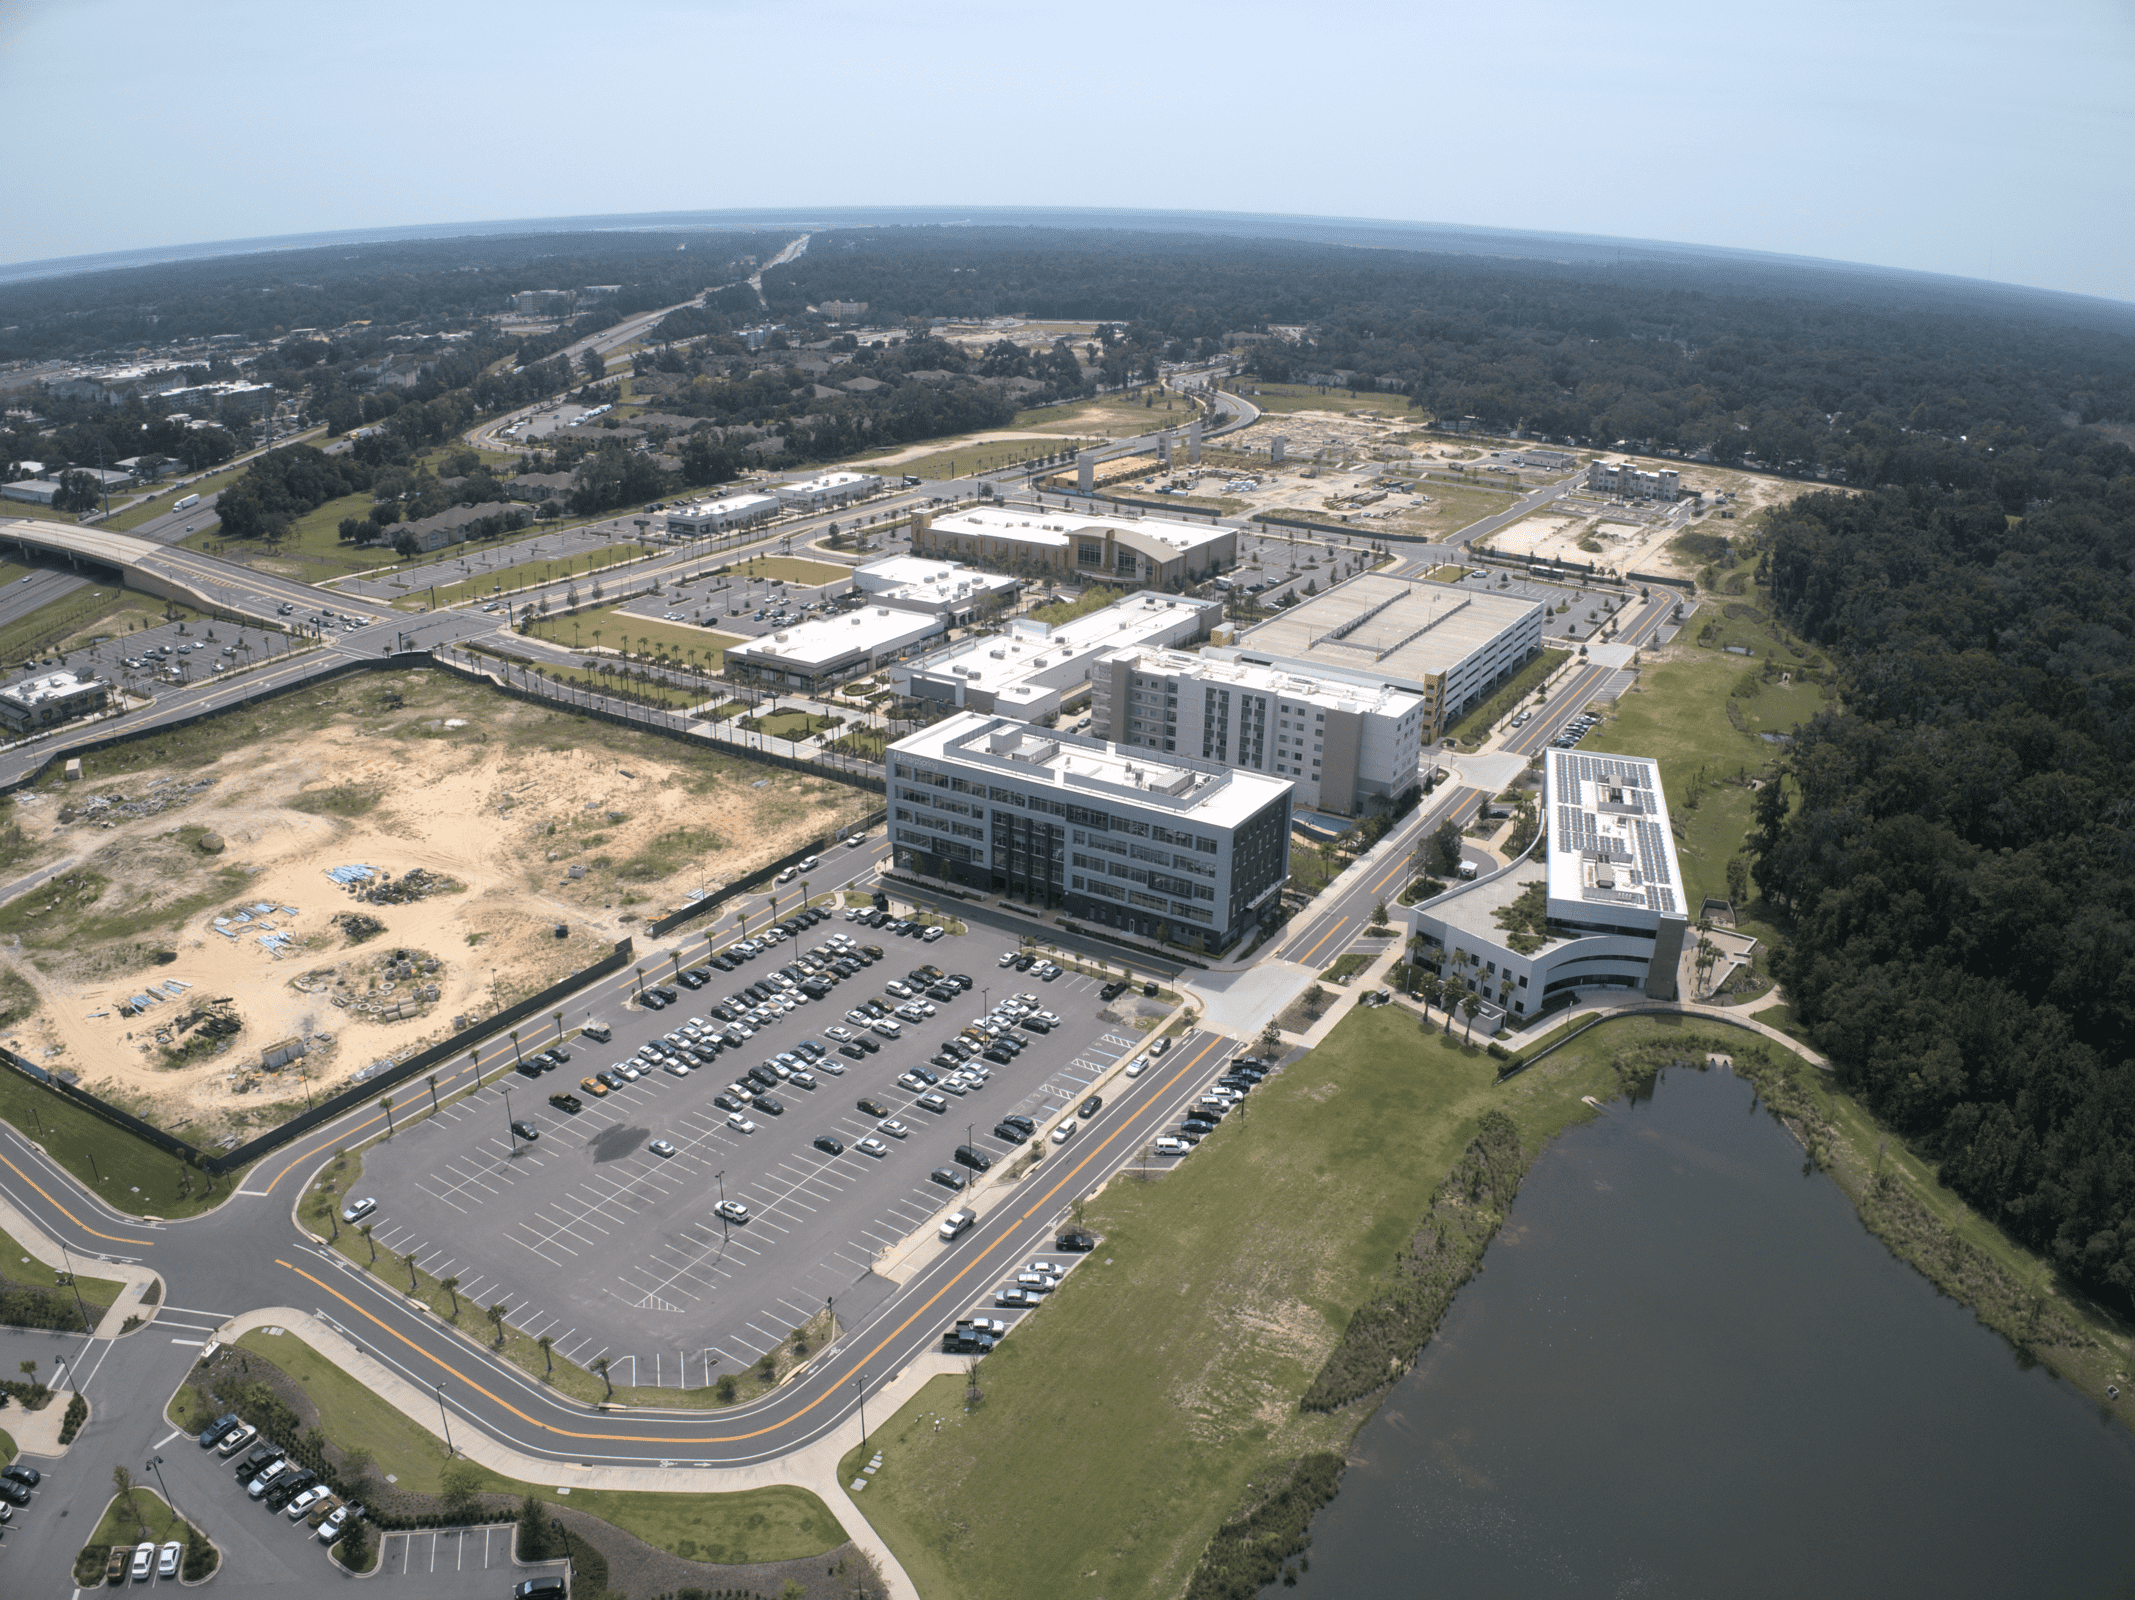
[(365, 1233), (557, 1018), (516, 1052), (1470, 1004), (804, 894), (408, 1261), (496, 1316), (640, 970), (549, 1361), (432, 1081), (451, 1286), (386, 1102), (601, 1367)]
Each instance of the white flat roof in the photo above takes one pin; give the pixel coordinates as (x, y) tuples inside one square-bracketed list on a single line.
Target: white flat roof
[(916, 577), (817, 644), (1328, 693), (1608, 837), (1083, 771), (52, 686), (1405, 628), (830, 480), (1029, 646), (1057, 527), (730, 506)]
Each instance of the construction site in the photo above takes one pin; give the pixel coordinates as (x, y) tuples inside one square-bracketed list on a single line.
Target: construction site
[(349, 873)]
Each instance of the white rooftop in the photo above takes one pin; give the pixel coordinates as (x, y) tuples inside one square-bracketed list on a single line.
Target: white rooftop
[(1086, 771), (1057, 527), (818, 644), (726, 507), (52, 686), (1608, 837), (1328, 693), (1001, 661)]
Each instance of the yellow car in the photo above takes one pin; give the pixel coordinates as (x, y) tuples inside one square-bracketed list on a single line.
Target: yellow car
[(593, 1086)]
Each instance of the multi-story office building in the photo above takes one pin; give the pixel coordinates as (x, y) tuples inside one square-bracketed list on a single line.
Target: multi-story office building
[(1148, 552), (1164, 847), (1026, 671), (1447, 646), (1601, 906), (1633, 483), (1349, 746)]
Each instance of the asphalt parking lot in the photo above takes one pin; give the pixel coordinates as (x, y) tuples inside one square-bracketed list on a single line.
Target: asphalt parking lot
[(589, 1238), (455, 1564)]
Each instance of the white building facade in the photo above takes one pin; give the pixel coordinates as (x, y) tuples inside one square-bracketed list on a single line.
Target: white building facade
[(1599, 905), (1348, 746), (1633, 483), (1170, 848), (829, 490), (703, 517)]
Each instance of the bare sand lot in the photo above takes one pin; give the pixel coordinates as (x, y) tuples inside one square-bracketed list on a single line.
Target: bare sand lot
[(202, 887)]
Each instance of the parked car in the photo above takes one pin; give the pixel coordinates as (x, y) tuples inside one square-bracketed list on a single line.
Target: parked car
[(218, 1430), (566, 1102), (357, 1210), (144, 1560), (733, 1210)]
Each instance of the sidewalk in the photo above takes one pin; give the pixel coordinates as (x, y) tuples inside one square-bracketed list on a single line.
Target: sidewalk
[(136, 1278), (813, 1467)]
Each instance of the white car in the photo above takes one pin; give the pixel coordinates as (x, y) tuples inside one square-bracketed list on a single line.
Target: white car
[(732, 1210), (1135, 1069), (679, 1068), (144, 1557), (842, 1034), (1168, 1146), (1008, 958), (356, 1210), (873, 1147), (740, 1123), (930, 935), (167, 1561), (894, 1128), (305, 1501), (330, 1529)]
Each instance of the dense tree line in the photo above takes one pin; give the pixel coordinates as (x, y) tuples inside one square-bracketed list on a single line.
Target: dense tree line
[(1957, 869), (281, 486), (386, 284), (1827, 369)]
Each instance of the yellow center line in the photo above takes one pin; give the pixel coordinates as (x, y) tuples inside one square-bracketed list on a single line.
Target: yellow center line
[(736, 1438), (1340, 924), (63, 1211)]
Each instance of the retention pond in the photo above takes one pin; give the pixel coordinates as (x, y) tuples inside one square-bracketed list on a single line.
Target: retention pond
[(1687, 1370)]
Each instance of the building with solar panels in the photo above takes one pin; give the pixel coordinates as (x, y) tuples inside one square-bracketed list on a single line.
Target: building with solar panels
[(1598, 903)]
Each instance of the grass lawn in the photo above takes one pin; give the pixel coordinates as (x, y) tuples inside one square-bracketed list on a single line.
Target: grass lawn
[(1309, 871), (124, 1517), (483, 583), (771, 1524), (81, 616), (19, 1266), (129, 1173), (1287, 397), (1525, 682), (788, 724), (1123, 1419), (610, 628), (1092, 599), (666, 694), (1678, 715), (961, 461), (1452, 507), (313, 549), (792, 570), (1346, 967), (8, 1452), (866, 743), (1112, 416)]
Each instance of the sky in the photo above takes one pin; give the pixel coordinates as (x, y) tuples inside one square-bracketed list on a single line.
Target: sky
[(1982, 140)]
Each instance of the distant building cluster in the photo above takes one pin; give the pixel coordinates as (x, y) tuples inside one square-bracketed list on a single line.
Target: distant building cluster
[(1633, 483)]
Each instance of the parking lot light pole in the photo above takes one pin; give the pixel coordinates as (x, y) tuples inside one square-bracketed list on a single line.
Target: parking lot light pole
[(155, 1465), (509, 1128), (860, 1389), (446, 1420)]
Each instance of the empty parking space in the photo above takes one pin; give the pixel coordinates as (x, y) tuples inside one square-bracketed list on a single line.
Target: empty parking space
[(591, 1238)]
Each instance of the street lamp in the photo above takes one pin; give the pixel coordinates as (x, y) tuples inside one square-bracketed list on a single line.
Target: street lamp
[(860, 1390), (155, 1465), (444, 1419), (509, 1127)]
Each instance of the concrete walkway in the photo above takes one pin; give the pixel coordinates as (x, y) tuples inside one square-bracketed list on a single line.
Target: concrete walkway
[(814, 1467), (137, 1279)]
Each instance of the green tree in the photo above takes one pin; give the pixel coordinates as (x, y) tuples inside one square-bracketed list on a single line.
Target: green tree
[(548, 1361), (458, 1482), (451, 1286), (1445, 843), (594, 364), (1470, 1004), (601, 1367), (533, 1530), (496, 1317)]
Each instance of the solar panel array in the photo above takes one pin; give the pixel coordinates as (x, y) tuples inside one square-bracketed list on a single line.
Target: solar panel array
[(1650, 853), (1660, 899)]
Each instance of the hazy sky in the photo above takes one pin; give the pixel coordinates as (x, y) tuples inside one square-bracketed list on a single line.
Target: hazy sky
[(1986, 140)]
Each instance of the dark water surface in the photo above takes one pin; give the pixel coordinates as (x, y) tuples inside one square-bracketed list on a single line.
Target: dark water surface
[(1688, 1371)]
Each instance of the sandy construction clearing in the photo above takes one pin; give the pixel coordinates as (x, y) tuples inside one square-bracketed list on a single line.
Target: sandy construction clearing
[(416, 770)]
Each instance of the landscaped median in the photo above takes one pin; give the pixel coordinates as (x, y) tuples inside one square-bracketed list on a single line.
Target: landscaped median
[(139, 1516), (1158, 1393)]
